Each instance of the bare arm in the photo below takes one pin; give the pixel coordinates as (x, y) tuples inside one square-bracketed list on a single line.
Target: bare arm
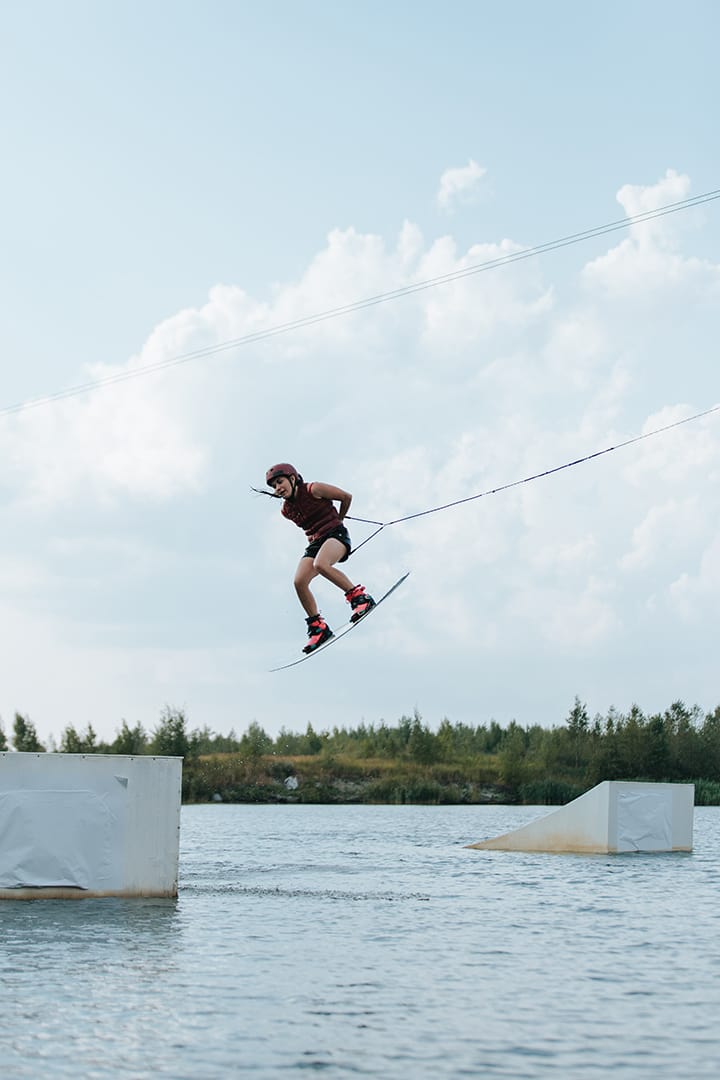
[(334, 494)]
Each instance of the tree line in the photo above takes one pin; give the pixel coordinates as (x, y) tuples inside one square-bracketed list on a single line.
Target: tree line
[(679, 744)]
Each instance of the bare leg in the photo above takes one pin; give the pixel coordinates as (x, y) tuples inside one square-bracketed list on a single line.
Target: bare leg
[(303, 576), (330, 553), (323, 565)]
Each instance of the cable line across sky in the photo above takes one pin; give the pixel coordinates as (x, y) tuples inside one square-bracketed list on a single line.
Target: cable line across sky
[(359, 305), (513, 483)]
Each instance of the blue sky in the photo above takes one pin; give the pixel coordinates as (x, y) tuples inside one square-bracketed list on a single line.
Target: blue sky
[(177, 175)]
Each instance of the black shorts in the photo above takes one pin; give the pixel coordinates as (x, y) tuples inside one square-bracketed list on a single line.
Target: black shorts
[(340, 534)]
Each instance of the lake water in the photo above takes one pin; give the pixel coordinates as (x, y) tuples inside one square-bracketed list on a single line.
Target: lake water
[(367, 941)]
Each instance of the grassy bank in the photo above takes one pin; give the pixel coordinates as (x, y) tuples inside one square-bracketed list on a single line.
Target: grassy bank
[(302, 778), (409, 762), (308, 778)]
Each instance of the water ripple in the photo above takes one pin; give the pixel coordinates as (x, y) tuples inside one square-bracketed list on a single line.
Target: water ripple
[(367, 941)]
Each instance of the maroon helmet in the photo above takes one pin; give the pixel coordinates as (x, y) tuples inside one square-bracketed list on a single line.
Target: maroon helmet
[(283, 469)]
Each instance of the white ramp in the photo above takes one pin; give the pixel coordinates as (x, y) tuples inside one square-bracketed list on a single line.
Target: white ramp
[(615, 816), (78, 825)]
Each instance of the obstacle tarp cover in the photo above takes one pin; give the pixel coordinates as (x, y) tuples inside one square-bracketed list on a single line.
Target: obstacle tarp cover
[(644, 821), (55, 838)]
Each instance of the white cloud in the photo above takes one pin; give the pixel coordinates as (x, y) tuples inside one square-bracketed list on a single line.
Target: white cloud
[(687, 453), (133, 439), (459, 184), (637, 199), (669, 529), (696, 595), (571, 621), (411, 405), (100, 449), (646, 267), (471, 310)]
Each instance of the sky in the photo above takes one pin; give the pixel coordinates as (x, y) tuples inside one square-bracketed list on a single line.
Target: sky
[(177, 176)]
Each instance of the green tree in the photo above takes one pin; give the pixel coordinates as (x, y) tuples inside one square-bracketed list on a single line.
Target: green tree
[(446, 740), (657, 756), (606, 761), (493, 737), (631, 741), (313, 743), (25, 737), (72, 742), (130, 741), (170, 738), (404, 730), (710, 743), (3, 738), (387, 741), (255, 742), (421, 744), (513, 766), (286, 742), (577, 726), (209, 742), (685, 748), (553, 753)]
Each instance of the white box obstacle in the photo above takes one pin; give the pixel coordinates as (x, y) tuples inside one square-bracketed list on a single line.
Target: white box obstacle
[(615, 816), (80, 825)]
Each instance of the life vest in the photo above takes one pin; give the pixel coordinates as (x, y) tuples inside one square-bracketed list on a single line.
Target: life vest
[(317, 517)]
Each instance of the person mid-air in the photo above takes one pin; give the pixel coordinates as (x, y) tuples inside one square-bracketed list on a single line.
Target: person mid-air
[(311, 507)]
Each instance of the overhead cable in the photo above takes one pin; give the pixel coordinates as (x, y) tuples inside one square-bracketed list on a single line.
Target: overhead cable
[(359, 305), (527, 479)]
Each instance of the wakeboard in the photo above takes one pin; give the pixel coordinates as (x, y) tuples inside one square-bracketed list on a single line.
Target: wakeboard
[(343, 629)]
